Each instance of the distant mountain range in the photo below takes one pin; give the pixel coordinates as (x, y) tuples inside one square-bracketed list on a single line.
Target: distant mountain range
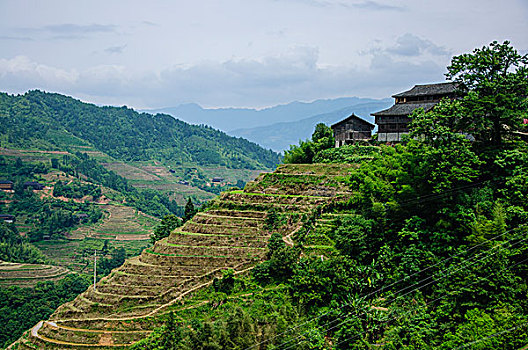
[(280, 136), (279, 126)]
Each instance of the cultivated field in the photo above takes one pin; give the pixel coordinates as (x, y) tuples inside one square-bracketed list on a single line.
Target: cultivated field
[(28, 275), (232, 233)]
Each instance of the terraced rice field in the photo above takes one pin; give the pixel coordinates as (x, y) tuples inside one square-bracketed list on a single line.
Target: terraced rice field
[(28, 275), (121, 223), (231, 233)]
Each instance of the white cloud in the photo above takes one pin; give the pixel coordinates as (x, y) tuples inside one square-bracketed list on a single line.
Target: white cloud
[(295, 75)]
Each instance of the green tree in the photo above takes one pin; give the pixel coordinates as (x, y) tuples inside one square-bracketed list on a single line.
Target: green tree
[(322, 139), (495, 78), (189, 210), (165, 227)]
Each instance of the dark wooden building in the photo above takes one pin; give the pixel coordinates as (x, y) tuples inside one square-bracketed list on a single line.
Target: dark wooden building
[(6, 185), (7, 218), (352, 129), (393, 122), (33, 185)]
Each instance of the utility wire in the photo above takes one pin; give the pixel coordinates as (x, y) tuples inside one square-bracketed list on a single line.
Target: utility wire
[(381, 289), (409, 292), (434, 300), (491, 336)]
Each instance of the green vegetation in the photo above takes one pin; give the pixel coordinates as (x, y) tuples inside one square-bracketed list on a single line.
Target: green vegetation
[(22, 308), (322, 139), (15, 248), (149, 201), (76, 189), (55, 122), (429, 247)]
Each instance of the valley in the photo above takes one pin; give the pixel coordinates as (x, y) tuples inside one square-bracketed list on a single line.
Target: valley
[(230, 235)]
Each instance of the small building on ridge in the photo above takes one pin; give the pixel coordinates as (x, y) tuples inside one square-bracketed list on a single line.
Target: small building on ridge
[(351, 130), (393, 123)]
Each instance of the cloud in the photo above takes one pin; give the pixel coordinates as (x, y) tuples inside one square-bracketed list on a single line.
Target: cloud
[(115, 49), (69, 30), (374, 5), (412, 45), (15, 38), (365, 4), (295, 75)]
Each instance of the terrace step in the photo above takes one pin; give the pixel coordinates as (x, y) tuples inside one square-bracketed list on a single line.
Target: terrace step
[(205, 218), (204, 239), (186, 261), (206, 251), (191, 226), (136, 266), (59, 333), (147, 280), (238, 213)]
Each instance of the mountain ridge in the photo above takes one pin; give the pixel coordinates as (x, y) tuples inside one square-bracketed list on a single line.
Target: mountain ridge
[(229, 119), (51, 121), (280, 136)]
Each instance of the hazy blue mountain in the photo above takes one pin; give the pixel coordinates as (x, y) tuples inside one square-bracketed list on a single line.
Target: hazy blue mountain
[(228, 119), (280, 136)]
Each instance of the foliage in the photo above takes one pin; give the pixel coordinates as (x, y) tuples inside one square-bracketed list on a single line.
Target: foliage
[(76, 189), (496, 80), (53, 121), (165, 227), (346, 154), (190, 211), (21, 308), (14, 248), (322, 139)]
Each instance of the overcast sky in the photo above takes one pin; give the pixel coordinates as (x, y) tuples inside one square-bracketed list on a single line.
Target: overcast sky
[(252, 53)]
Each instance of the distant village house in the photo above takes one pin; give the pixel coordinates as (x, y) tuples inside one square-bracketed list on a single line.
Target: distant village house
[(6, 185), (218, 179), (393, 123), (33, 185), (352, 129), (7, 218)]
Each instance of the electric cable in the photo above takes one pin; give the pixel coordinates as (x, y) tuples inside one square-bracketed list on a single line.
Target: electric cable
[(418, 288), (388, 286)]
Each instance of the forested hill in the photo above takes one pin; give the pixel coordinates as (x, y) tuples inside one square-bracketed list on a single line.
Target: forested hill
[(52, 121)]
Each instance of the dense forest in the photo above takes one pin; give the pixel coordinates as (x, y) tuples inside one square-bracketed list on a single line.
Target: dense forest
[(430, 250), (55, 122), (22, 308)]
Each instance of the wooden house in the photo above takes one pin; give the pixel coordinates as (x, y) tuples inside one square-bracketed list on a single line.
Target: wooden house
[(6, 185), (393, 122), (351, 130), (33, 185), (7, 218), (81, 217)]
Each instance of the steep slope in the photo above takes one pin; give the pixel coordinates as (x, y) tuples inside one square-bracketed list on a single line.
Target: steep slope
[(56, 122), (231, 233)]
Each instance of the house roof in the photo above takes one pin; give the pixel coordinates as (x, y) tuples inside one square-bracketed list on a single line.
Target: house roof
[(353, 116), (429, 89), (405, 109), (6, 182)]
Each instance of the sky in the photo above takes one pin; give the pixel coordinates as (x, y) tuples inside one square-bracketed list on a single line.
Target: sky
[(242, 53)]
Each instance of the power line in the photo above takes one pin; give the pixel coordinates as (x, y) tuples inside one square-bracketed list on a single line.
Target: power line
[(492, 336), (401, 296), (437, 299), (388, 286)]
